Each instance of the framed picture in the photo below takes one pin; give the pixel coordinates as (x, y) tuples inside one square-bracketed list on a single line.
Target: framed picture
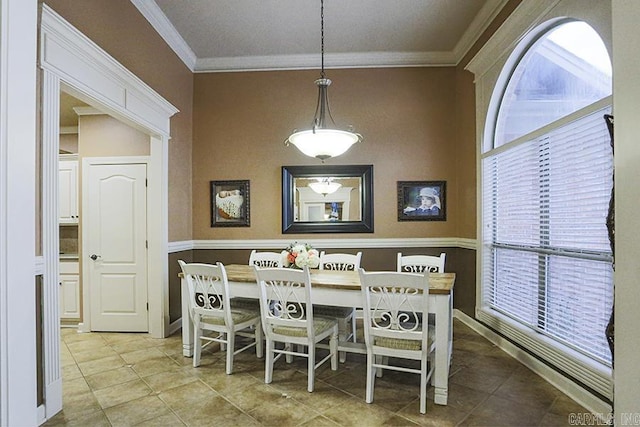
[(230, 203), (422, 201)]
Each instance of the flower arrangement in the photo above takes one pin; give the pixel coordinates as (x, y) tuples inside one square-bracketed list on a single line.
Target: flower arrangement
[(297, 255)]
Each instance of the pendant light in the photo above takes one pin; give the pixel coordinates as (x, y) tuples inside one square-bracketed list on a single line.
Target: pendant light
[(323, 140), (325, 186)]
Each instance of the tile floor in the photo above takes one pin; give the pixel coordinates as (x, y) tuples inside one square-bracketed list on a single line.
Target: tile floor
[(123, 379)]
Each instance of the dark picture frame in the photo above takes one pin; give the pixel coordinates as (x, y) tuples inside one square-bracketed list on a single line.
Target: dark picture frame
[(364, 194), (422, 200), (230, 203)]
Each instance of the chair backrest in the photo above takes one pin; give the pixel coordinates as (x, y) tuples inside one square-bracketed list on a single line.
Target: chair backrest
[(208, 290), (394, 306), (420, 263), (341, 262), (285, 300), (265, 259)]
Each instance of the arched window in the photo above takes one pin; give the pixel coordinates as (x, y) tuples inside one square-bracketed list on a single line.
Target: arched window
[(547, 175)]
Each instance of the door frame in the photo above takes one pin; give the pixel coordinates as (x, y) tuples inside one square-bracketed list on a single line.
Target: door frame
[(85, 326), (70, 61)]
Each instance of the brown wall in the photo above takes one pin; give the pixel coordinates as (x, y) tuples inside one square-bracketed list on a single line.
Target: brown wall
[(406, 115), (119, 28)]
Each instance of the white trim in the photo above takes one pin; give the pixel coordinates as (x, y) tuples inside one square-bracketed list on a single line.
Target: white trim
[(503, 41), (38, 266), (332, 61), (174, 326), (164, 27), (86, 67), (564, 384), (176, 42), (479, 24), (427, 242), (88, 111), (18, 21), (73, 63), (68, 130)]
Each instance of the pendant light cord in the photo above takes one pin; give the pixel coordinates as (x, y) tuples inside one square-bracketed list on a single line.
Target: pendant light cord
[(322, 38)]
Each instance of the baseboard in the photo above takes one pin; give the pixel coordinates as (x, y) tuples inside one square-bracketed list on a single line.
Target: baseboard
[(592, 403), (174, 326)]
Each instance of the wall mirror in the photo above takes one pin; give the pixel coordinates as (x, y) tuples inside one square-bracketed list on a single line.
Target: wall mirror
[(327, 199)]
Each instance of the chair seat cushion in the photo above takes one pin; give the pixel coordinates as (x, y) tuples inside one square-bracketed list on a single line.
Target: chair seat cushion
[(403, 344), (320, 324), (245, 303), (238, 316), (331, 311)]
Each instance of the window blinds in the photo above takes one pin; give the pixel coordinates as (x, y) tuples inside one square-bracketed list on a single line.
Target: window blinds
[(546, 255)]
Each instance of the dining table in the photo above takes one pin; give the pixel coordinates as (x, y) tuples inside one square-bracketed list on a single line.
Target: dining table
[(342, 289)]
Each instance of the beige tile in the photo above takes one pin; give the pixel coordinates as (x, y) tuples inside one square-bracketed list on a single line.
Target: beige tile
[(153, 366), (167, 420), (93, 419), (497, 411), (95, 353), (121, 393), (187, 395), (70, 372), (173, 393), (111, 378), (283, 412), (249, 397), (215, 411), (100, 365), (319, 421), (136, 411), (356, 412), (169, 379)]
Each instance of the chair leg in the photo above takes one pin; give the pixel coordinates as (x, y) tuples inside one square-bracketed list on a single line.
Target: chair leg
[(259, 341), (353, 325), (343, 335), (423, 386), (333, 348), (268, 363), (231, 340), (197, 343), (371, 378), (311, 363), (288, 357), (223, 345)]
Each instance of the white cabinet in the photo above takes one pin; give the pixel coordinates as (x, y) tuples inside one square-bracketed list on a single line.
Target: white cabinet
[(68, 189), (69, 296)]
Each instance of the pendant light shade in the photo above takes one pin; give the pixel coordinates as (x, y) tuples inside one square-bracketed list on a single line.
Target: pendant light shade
[(323, 140), (325, 186)]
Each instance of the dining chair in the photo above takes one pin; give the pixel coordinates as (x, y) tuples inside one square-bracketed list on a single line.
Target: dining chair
[(420, 263), (393, 329), (288, 318), (265, 259), (345, 316), (210, 309)]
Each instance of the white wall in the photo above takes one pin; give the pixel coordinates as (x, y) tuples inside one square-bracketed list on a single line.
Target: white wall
[(18, 23), (626, 110)]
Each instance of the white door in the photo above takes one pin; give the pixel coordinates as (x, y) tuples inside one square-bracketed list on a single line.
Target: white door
[(117, 240)]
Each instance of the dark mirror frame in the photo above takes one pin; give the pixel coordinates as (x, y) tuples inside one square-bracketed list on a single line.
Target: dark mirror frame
[(289, 173)]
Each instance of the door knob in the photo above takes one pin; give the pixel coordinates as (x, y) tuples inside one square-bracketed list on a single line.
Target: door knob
[(95, 257)]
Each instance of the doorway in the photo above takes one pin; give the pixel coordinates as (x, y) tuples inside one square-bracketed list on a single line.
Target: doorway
[(74, 64)]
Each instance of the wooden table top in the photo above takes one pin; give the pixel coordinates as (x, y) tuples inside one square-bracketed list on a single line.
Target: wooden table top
[(439, 283)]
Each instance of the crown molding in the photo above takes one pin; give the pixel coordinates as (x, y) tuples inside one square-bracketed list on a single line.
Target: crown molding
[(426, 242), (164, 27), (166, 30), (332, 60), (479, 24)]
